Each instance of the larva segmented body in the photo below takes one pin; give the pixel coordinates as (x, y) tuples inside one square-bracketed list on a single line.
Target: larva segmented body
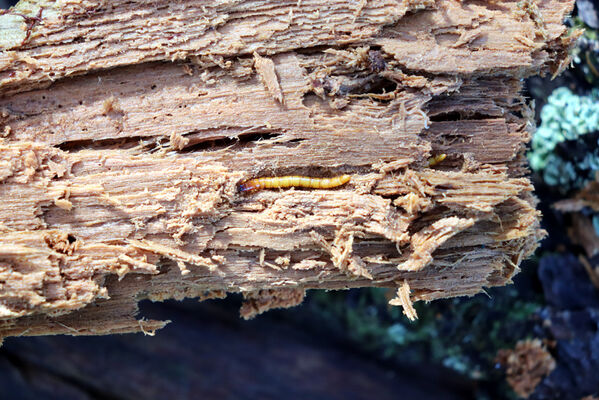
[(277, 182), (434, 160)]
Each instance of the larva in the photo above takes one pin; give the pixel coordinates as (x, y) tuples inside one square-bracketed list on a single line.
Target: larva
[(277, 182), (434, 160)]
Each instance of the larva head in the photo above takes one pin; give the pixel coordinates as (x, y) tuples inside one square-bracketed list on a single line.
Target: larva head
[(247, 186)]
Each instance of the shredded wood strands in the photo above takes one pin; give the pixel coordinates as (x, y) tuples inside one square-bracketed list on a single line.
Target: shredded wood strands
[(293, 181), (403, 299)]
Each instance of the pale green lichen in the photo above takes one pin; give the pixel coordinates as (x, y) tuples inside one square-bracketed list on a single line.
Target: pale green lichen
[(567, 119)]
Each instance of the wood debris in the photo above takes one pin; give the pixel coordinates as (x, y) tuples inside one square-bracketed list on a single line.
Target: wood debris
[(526, 365), (403, 299)]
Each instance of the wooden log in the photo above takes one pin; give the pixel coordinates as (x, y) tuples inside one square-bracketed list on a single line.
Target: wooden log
[(129, 126)]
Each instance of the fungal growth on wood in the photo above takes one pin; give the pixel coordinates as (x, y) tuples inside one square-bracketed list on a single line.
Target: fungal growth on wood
[(127, 132)]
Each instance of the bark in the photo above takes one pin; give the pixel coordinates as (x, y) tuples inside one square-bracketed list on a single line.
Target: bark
[(129, 125)]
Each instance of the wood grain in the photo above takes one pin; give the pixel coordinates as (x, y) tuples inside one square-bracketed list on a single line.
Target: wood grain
[(128, 126)]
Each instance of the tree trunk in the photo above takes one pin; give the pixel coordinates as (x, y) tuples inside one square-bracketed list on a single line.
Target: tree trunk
[(129, 126)]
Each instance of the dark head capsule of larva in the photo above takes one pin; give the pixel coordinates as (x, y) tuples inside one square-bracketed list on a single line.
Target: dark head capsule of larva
[(247, 186)]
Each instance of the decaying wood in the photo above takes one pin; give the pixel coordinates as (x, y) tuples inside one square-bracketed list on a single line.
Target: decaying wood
[(128, 127)]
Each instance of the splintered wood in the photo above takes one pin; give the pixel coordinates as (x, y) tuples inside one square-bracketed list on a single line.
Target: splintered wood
[(128, 126)]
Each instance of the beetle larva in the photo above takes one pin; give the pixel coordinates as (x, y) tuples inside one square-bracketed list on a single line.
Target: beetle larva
[(434, 160), (277, 182)]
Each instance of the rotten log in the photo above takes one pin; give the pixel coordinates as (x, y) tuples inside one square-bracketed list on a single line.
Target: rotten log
[(129, 125)]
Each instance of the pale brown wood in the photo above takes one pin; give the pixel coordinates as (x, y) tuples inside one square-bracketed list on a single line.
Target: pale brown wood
[(128, 126)]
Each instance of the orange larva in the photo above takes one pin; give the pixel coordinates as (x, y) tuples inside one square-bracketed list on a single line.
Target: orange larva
[(293, 181)]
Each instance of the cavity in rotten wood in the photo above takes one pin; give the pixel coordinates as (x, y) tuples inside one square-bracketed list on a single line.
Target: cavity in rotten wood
[(376, 61)]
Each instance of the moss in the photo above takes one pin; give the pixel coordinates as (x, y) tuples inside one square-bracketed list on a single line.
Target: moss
[(461, 334)]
